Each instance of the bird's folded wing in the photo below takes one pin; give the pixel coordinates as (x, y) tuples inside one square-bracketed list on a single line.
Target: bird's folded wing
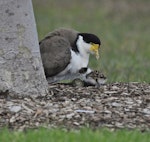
[(55, 53)]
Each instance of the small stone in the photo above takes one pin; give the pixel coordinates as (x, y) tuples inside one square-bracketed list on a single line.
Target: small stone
[(139, 101), (69, 116), (76, 123), (119, 125), (12, 119), (115, 88), (115, 104), (15, 108), (146, 111), (73, 99), (107, 111), (85, 111)]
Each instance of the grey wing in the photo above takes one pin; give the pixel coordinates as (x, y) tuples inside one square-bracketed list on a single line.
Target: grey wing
[(55, 54)]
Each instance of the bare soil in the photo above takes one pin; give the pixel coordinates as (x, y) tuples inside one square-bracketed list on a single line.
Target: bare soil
[(116, 105)]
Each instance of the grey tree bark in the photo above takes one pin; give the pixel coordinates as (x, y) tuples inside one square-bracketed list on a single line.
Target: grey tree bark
[(21, 71)]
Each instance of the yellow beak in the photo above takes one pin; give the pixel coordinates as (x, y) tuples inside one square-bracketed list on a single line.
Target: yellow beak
[(95, 48)]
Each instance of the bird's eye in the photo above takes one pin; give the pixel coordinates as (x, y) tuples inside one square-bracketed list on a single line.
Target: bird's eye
[(91, 43)]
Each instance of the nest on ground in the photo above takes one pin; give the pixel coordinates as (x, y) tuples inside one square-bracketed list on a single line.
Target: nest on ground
[(113, 105)]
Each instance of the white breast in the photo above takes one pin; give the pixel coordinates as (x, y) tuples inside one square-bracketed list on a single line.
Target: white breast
[(77, 62)]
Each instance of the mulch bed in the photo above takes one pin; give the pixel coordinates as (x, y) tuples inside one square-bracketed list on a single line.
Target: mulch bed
[(115, 105)]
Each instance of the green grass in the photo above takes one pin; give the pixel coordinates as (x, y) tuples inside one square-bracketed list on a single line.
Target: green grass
[(122, 25), (84, 135)]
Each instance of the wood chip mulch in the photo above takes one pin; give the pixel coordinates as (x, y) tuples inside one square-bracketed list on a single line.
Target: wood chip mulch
[(115, 105)]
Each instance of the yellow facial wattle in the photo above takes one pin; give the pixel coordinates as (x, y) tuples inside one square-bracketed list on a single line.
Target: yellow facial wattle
[(95, 48)]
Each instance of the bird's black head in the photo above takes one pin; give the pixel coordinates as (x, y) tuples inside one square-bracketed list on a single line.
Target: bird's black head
[(90, 38), (87, 41)]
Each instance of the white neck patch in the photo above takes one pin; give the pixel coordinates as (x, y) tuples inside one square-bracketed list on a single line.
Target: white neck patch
[(83, 47)]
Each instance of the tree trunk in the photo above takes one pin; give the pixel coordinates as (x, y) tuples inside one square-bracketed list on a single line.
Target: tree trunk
[(21, 71)]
